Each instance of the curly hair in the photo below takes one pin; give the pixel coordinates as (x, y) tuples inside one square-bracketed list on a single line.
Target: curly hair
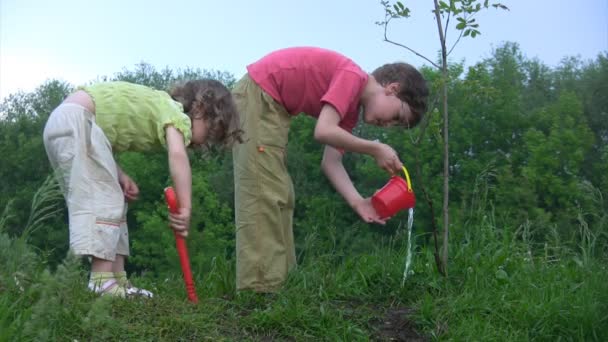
[(412, 87), (211, 100)]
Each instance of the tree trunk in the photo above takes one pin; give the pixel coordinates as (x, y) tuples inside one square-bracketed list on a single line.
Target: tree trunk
[(446, 172), (446, 150)]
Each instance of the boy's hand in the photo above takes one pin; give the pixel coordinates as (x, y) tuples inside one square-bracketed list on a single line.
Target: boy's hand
[(367, 212), (387, 158), (129, 187), (180, 222)]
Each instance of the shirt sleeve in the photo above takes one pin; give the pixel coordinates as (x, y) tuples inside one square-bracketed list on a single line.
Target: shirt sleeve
[(343, 94), (172, 114)]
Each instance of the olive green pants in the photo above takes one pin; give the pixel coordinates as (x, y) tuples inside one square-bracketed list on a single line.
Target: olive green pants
[(264, 196)]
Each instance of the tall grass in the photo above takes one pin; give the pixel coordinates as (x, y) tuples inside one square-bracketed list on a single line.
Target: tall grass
[(504, 286), (45, 205)]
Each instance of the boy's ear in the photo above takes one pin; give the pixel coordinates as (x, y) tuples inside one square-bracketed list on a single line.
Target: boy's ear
[(396, 87), (392, 88)]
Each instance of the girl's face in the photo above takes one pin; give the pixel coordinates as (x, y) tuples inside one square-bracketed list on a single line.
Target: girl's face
[(200, 130)]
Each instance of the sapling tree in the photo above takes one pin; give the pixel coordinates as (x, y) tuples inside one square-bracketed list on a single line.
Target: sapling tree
[(463, 13)]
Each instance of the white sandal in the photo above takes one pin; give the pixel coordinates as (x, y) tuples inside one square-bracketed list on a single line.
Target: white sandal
[(112, 287), (133, 291), (109, 288)]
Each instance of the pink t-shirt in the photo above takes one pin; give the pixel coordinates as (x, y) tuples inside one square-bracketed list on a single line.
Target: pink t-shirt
[(303, 79)]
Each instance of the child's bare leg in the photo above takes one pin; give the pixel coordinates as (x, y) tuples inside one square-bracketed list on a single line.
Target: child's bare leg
[(119, 263), (118, 269), (101, 265), (102, 279)]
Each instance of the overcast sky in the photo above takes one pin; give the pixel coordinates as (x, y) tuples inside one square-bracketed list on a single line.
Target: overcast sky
[(77, 41)]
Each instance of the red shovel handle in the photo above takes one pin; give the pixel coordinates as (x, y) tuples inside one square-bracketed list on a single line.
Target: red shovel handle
[(180, 243)]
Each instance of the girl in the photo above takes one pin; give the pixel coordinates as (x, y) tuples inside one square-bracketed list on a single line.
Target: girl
[(80, 137)]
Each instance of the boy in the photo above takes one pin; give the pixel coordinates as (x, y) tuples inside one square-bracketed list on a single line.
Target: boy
[(332, 88)]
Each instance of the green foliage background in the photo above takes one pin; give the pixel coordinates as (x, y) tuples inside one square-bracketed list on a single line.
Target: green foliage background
[(529, 174)]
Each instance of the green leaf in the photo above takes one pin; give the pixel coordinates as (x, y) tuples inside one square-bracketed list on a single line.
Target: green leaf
[(461, 26), (502, 275)]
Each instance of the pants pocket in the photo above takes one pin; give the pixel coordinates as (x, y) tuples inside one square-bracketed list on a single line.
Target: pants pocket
[(273, 126)]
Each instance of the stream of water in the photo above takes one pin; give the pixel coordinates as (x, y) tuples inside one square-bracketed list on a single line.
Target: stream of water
[(408, 256)]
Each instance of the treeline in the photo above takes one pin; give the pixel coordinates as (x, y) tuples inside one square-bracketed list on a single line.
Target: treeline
[(528, 150)]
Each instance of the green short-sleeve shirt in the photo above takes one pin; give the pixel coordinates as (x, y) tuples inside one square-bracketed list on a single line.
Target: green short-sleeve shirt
[(134, 117)]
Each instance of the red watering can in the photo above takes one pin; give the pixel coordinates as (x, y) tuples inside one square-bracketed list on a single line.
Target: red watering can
[(396, 195)]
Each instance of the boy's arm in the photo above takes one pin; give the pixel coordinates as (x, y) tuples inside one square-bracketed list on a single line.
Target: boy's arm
[(179, 166), (336, 173), (328, 132)]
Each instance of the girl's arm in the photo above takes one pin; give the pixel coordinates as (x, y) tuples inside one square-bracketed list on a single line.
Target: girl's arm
[(179, 166), (129, 187)]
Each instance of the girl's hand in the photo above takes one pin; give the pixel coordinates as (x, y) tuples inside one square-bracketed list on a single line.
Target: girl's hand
[(387, 158), (180, 222), (367, 212), (129, 187)]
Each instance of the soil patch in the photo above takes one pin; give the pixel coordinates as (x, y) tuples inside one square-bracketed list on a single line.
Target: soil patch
[(395, 325)]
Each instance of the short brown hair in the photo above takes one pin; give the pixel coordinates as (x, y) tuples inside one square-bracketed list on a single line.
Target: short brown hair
[(412, 87), (211, 100)]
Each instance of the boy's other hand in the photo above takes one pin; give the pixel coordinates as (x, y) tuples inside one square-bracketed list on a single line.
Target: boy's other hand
[(387, 158), (367, 212), (180, 222), (129, 187)]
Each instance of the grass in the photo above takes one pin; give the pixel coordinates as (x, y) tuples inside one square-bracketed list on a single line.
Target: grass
[(495, 296), (502, 286)]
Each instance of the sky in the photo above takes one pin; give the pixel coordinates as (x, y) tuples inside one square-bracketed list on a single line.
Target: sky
[(79, 41)]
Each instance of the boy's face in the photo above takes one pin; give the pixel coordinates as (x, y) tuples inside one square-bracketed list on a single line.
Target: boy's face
[(385, 109)]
